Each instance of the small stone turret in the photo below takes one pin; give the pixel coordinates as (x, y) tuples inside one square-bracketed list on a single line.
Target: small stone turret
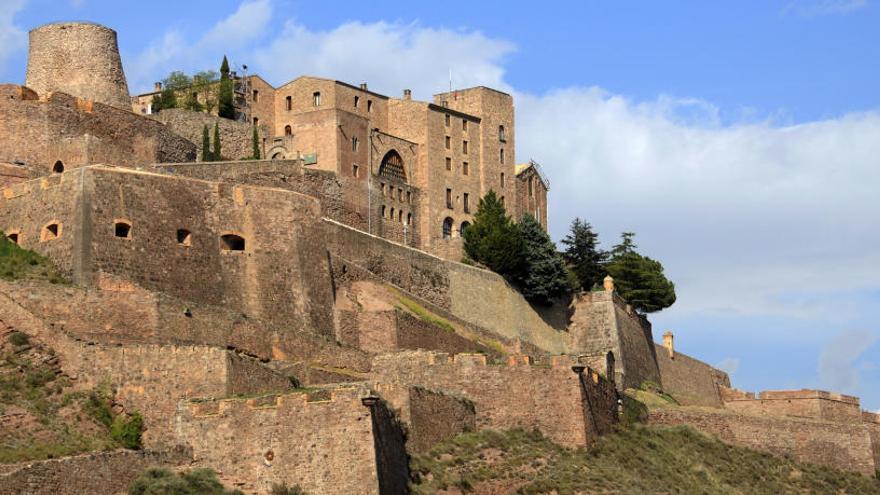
[(81, 59), (668, 344), (608, 283)]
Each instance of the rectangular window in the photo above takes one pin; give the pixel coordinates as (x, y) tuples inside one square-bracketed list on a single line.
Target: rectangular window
[(501, 155), (357, 101), (531, 191), (448, 163), (448, 142), (354, 143), (502, 200), (400, 195), (316, 98), (256, 95), (369, 105), (502, 179), (447, 120), (408, 197), (464, 125), (354, 171), (464, 147), (289, 103), (256, 121), (465, 203), (465, 169), (449, 198), (382, 186)]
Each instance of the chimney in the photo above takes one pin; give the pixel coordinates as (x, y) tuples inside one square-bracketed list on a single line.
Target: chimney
[(157, 87), (608, 283), (667, 343), (364, 86), (407, 94)]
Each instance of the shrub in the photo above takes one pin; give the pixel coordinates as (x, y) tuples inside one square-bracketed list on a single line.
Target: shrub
[(98, 407), (127, 430), (283, 489), (19, 339), (160, 481)]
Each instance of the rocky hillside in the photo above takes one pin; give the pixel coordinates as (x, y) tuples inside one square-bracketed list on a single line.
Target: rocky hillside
[(635, 460)]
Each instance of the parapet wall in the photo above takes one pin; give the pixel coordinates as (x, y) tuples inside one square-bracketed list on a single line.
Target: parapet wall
[(816, 404), (61, 128), (690, 381), (556, 400), (236, 138), (840, 445), (323, 442)]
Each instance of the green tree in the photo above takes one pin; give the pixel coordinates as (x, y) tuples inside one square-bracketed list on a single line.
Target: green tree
[(583, 255), (206, 145), (225, 106), (177, 80), (256, 142), (191, 102), (494, 239), (639, 279), (216, 156), (544, 277)]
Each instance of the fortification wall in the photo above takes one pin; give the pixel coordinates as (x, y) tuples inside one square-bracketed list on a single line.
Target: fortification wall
[(839, 445), (551, 399), (637, 359), (236, 138), (691, 381), (436, 417), (323, 443), (77, 58), (59, 127), (101, 472), (460, 289), (11, 173), (816, 404)]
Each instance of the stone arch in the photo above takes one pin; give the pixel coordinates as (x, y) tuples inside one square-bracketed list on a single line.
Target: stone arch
[(51, 231), (288, 131), (14, 236), (232, 242), (392, 166), (447, 227), (463, 227), (277, 152), (58, 167)]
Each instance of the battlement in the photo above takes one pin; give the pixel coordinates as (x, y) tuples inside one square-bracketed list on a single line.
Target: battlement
[(807, 394), (817, 404)]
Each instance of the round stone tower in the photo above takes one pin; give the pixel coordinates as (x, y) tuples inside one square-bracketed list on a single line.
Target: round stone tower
[(78, 58)]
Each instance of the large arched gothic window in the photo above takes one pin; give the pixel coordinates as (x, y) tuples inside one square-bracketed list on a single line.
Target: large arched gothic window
[(392, 167), (447, 228)]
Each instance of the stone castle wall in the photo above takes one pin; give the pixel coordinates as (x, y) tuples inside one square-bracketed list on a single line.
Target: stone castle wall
[(691, 381), (78, 58), (839, 445), (100, 472), (815, 404), (323, 442), (61, 128), (236, 138), (552, 399)]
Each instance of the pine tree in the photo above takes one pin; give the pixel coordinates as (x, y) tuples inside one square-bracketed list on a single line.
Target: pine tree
[(495, 240), (216, 156), (256, 144), (544, 277), (225, 107), (639, 279), (583, 255), (206, 145)]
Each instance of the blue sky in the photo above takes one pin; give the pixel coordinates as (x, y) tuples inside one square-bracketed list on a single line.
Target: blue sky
[(740, 140)]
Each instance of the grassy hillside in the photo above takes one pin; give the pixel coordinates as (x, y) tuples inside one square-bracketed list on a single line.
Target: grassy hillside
[(638, 459), (22, 264), (44, 415)]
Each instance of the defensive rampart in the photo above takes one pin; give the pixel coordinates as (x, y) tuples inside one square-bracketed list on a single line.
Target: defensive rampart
[(569, 406), (817, 404), (690, 381)]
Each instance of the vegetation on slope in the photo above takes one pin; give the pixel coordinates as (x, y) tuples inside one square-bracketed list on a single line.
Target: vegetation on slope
[(637, 459), (160, 481), (22, 264), (43, 415)]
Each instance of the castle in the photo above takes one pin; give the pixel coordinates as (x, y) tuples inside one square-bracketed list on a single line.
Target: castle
[(279, 320)]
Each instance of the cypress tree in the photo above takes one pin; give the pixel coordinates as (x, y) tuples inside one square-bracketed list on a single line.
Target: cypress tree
[(544, 277), (494, 240), (216, 154), (256, 144), (583, 255), (206, 145), (639, 279), (224, 102)]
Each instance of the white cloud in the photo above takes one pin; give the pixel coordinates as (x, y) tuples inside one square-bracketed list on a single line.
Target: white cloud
[(816, 8), (836, 363), (728, 365), (172, 51), (389, 56), (12, 37)]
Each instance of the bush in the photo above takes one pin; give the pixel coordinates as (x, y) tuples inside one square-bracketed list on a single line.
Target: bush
[(127, 431), (283, 489), (19, 339), (160, 481)]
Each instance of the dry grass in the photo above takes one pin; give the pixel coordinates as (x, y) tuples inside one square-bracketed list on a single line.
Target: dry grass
[(22, 264), (638, 459)]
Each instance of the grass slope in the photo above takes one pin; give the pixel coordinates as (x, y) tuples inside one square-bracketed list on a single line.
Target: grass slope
[(22, 264), (637, 459)]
